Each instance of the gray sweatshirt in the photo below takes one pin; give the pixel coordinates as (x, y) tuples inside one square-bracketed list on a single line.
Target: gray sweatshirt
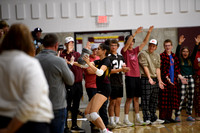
[(58, 75)]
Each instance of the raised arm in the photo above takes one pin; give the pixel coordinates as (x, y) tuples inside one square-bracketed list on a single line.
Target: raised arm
[(88, 45), (197, 41), (181, 40), (130, 39), (146, 38)]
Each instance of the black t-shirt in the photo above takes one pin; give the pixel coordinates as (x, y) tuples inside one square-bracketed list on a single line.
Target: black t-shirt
[(105, 78), (38, 42), (116, 63)]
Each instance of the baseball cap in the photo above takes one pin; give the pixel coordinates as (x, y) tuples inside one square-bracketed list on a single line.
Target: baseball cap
[(69, 39), (153, 41), (94, 46), (37, 29), (3, 24)]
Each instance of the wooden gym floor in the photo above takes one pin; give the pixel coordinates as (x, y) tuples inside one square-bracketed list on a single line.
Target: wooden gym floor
[(181, 127)]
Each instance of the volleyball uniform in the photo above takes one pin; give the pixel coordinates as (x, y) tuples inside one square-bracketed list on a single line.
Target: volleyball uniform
[(103, 82)]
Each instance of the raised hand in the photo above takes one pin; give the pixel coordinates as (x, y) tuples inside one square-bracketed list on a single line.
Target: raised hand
[(181, 39), (197, 39), (151, 28), (139, 29), (88, 45)]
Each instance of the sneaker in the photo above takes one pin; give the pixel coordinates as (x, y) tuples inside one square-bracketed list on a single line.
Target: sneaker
[(177, 119), (108, 131), (171, 120), (76, 128), (166, 122), (112, 125), (128, 123), (139, 122), (158, 121), (120, 124), (190, 118), (148, 122), (105, 131)]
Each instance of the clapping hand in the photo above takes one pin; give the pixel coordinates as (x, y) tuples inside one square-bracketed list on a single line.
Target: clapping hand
[(184, 81), (169, 80), (125, 69)]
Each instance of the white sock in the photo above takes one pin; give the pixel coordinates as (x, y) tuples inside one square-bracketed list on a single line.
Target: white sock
[(126, 117), (116, 119), (112, 119), (104, 130), (137, 115)]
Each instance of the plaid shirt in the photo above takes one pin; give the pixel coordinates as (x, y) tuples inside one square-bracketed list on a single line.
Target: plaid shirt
[(170, 96)]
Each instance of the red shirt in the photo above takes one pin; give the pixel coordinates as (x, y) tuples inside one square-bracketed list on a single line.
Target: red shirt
[(90, 79), (131, 59), (78, 72), (197, 63)]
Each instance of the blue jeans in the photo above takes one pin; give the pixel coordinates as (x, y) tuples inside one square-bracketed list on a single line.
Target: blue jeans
[(58, 123)]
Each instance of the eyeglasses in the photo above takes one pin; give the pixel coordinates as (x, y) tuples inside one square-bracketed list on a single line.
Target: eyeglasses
[(113, 45), (168, 45)]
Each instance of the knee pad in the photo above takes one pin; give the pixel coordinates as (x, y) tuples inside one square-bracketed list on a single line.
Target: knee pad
[(88, 117), (94, 116)]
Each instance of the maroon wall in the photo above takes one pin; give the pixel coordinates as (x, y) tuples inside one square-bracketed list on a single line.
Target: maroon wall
[(190, 33)]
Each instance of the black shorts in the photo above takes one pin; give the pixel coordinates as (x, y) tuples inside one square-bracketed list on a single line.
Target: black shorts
[(133, 87), (104, 89), (116, 92)]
